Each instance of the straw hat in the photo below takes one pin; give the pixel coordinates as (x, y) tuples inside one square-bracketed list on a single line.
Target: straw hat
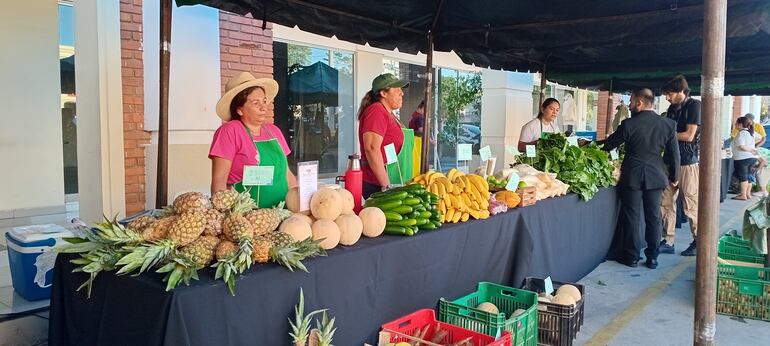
[(237, 84)]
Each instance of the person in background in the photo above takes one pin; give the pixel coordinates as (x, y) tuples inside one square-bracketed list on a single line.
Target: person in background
[(545, 122), (644, 174), (759, 131), (762, 153), (744, 156), (248, 138), (417, 121), (378, 128), (685, 111), (620, 115)]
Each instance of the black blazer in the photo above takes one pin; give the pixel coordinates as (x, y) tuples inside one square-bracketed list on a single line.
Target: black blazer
[(646, 135)]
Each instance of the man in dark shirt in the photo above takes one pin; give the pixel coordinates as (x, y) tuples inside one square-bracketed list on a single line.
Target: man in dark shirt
[(644, 175), (417, 121), (686, 112)]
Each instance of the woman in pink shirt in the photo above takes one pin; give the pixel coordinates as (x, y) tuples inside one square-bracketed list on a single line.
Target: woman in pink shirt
[(247, 139)]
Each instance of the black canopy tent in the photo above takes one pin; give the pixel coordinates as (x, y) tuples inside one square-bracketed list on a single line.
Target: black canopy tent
[(605, 44)]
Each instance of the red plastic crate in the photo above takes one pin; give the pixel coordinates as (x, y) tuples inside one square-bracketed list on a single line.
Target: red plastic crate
[(403, 328)]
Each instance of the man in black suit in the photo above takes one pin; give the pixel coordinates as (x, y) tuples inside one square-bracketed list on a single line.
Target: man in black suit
[(644, 175)]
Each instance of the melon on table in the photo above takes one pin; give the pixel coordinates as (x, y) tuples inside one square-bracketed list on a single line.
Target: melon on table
[(347, 201), (307, 218), (326, 204), (328, 231), (488, 307), (350, 228), (573, 291), (297, 227), (374, 221), (563, 299), (292, 201)]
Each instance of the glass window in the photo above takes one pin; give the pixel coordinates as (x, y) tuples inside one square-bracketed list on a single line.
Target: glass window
[(415, 93), (314, 106), (67, 97), (459, 114)]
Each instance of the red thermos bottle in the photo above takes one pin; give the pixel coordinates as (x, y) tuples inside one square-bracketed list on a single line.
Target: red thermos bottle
[(353, 179)]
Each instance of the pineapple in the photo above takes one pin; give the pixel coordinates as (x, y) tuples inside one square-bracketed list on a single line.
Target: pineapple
[(225, 249), (159, 229), (261, 250), (288, 253), (325, 330), (279, 239), (191, 201), (267, 220), (185, 263), (139, 224), (214, 219), (224, 200), (237, 229), (183, 231), (300, 327)]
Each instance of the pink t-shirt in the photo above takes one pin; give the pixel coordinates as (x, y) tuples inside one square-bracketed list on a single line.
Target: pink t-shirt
[(232, 142)]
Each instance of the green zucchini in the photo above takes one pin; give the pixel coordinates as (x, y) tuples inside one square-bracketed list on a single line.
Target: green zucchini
[(391, 216)]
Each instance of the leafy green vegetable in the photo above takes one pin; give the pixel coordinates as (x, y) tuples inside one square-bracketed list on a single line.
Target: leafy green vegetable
[(585, 169)]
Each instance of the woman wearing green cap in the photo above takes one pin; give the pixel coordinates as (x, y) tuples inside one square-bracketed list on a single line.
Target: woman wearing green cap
[(379, 128)]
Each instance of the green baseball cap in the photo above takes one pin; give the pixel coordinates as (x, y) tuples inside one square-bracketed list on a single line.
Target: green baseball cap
[(388, 80)]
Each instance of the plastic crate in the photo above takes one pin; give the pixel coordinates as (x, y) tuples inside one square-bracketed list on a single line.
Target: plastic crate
[(523, 328), (736, 249), (743, 291), (556, 324), (403, 329), (734, 240)]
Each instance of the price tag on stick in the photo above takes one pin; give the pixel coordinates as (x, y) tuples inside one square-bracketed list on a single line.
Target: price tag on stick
[(548, 285), (464, 152), (485, 153), (513, 182), (531, 151), (390, 153), (258, 175), (307, 177), (614, 154), (573, 141)]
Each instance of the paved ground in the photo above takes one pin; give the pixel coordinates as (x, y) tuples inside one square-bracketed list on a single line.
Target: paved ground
[(639, 306)]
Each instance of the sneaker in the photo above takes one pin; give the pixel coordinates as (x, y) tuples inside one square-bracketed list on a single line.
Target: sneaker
[(665, 248), (691, 250)]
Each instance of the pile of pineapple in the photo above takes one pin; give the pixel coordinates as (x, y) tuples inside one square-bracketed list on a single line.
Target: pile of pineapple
[(193, 233)]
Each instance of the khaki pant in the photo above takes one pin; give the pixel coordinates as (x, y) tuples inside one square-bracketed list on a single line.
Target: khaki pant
[(688, 184)]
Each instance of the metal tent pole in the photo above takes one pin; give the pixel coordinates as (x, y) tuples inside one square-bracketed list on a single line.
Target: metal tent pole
[(712, 90), (543, 82), (609, 112), (427, 135), (161, 192)]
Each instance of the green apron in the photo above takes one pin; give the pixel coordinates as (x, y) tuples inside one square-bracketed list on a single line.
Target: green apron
[(404, 160), (270, 154)]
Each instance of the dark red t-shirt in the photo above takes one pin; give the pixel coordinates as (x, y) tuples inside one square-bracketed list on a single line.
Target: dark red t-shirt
[(377, 119), (417, 121)]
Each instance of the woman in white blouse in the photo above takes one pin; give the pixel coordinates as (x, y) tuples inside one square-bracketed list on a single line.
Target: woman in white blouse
[(545, 122), (744, 155)]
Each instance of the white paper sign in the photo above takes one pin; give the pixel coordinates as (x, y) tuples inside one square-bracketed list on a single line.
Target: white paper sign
[(258, 175), (307, 177), (485, 153), (531, 151), (573, 141), (614, 154), (464, 152), (548, 285), (513, 182)]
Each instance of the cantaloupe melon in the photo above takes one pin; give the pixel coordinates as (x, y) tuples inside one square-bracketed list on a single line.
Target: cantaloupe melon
[(328, 231), (563, 299), (373, 220), (518, 312), (303, 217), (350, 228), (573, 291), (297, 227), (347, 201), (488, 307), (292, 200), (542, 307), (326, 204)]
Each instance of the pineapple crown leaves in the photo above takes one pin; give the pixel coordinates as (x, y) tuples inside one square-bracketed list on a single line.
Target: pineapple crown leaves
[(145, 256), (292, 255), (326, 330), (94, 262), (165, 212), (178, 270), (243, 203), (109, 232), (226, 271), (283, 213), (301, 325)]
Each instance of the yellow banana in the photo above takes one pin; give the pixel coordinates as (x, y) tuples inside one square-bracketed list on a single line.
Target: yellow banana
[(450, 175), (476, 205), (441, 207), (449, 215), (433, 189), (456, 216), (460, 182), (448, 200), (441, 188), (464, 217), (466, 200)]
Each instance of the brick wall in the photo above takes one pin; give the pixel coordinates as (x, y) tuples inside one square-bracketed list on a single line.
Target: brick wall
[(244, 46), (737, 105), (601, 119), (132, 73)]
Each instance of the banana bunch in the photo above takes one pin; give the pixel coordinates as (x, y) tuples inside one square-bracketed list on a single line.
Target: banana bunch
[(461, 196)]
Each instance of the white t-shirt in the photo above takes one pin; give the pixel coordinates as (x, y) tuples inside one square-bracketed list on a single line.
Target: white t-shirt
[(745, 139), (531, 131)]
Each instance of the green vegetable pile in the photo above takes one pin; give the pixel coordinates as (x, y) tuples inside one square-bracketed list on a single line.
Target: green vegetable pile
[(408, 209), (585, 169)]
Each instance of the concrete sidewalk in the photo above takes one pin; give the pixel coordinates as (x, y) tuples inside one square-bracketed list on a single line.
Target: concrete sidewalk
[(639, 306)]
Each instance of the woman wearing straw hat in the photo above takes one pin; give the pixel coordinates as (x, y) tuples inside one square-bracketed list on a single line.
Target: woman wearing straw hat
[(248, 139), (379, 128)]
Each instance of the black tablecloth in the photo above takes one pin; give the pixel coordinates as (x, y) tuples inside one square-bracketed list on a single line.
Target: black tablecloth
[(364, 286)]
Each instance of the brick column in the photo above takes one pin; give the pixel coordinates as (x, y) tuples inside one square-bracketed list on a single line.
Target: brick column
[(737, 106), (244, 46), (601, 117), (132, 73)]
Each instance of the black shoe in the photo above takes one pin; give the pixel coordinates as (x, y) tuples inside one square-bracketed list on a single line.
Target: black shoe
[(665, 248), (630, 263), (651, 263), (691, 250)]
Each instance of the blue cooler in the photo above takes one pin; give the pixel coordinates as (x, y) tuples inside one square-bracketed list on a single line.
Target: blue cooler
[(31, 258)]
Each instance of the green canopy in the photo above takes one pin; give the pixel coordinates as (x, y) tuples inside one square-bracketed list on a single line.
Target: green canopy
[(579, 43)]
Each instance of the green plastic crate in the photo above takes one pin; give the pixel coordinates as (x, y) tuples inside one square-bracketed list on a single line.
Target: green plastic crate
[(462, 312), (734, 240), (733, 248), (743, 291)]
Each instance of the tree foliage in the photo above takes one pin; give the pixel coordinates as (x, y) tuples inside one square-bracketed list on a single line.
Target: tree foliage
[(456, 93)]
